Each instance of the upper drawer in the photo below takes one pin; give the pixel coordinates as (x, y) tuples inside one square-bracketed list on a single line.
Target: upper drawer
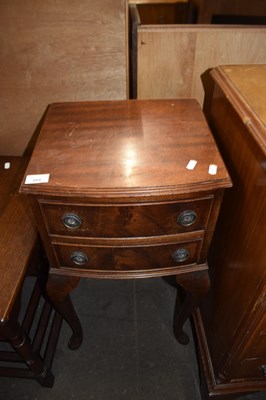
[(125, 221)]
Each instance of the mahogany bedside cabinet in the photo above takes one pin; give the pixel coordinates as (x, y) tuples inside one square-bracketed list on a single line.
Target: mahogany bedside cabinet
[(126, 189)]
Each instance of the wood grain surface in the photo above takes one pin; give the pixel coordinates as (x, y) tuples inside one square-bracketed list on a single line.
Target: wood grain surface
[(173, 60), (113, 148), (18, 234), (56, 51), (234, 311)]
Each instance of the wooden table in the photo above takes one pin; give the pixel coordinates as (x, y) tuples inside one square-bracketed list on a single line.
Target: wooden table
[(120, 201), (19, 251)]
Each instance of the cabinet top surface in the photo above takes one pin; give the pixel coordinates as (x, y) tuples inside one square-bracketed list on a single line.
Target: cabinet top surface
[(250, 81), (245, 87), (127, 147)]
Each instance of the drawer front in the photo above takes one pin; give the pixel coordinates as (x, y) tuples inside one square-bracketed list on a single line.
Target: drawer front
[(126, 221), (127, 258)]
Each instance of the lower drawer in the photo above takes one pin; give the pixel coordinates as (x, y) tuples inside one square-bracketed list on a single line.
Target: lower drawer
[(128, 258)]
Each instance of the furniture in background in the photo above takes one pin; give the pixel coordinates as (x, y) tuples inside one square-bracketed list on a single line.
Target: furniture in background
[(231, 325), (222, 11), (173, 61), (178, 12), (27, 341), (121, 201), (233, 11), (145, 13)]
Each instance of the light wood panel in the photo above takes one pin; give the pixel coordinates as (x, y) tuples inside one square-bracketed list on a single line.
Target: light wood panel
[(172, 61), (53, 51)]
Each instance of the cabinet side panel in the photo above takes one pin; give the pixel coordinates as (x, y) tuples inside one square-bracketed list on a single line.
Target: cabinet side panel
[(238, 257)]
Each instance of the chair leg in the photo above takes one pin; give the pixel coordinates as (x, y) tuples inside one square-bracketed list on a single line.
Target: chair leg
[(16, 336)]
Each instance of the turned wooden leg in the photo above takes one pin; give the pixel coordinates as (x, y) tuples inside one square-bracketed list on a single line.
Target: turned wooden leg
[(16, 336), (196, 285), (58, 289)]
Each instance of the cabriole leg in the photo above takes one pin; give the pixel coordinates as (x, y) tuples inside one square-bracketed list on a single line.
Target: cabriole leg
[(58, 289), (196, 285)]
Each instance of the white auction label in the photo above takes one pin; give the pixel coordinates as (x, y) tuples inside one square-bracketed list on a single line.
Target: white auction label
[(7, 165), (192, 164), (212, 169), (33, 179)]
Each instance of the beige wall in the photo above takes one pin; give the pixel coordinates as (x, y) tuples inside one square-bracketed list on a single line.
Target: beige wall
[(50, 51)]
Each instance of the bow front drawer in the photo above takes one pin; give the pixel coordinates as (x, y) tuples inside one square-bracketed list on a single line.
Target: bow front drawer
[(126, 220), (129, 258)]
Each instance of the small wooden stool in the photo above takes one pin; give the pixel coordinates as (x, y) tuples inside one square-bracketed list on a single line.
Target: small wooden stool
[(32, 344)]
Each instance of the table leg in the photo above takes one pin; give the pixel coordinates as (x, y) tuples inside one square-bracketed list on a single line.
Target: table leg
[(58, 289), (19, 340), (196, 285)]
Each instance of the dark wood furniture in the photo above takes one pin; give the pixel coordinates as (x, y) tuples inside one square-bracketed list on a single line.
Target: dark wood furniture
[(232, 325), (236, 11), (120, 202), (20, 252)]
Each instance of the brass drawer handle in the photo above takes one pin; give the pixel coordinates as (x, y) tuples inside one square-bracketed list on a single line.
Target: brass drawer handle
[(180, 255), (187, 218), (71, 220), (263, 369), (79, 258)]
